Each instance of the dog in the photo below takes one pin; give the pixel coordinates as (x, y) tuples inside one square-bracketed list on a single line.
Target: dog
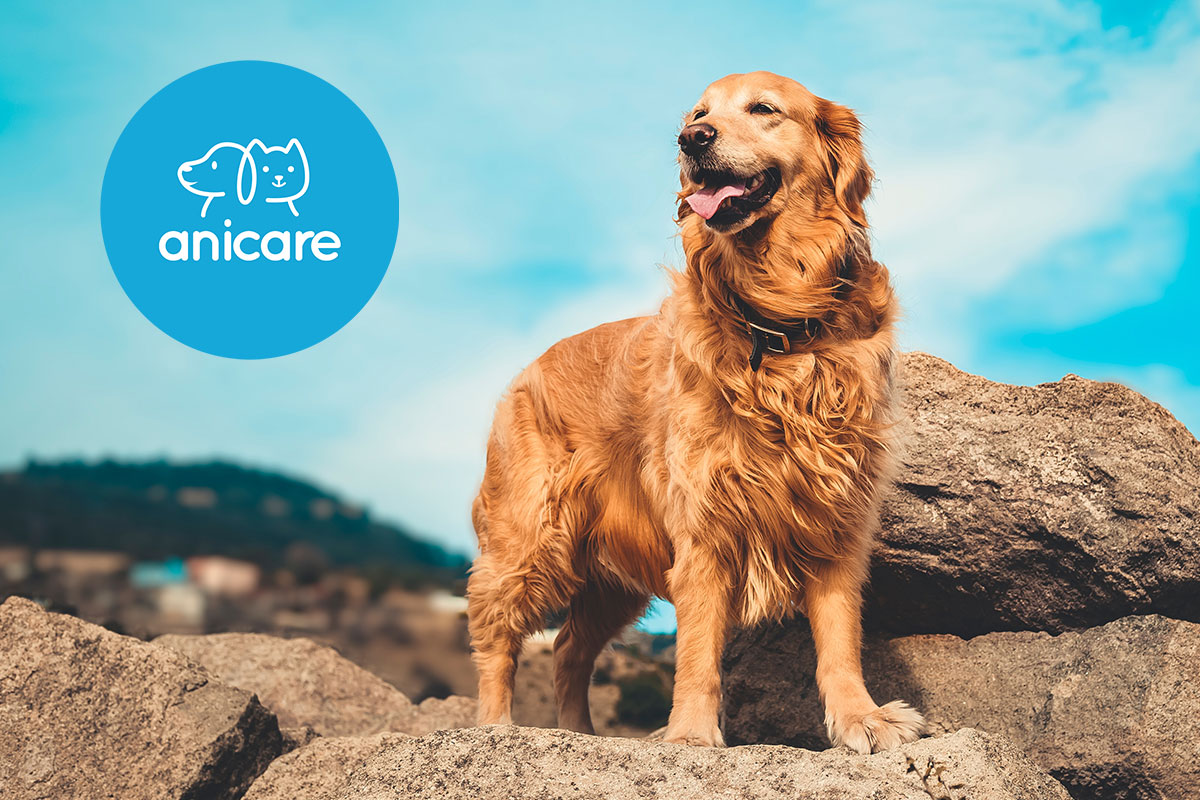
[(728, 453)]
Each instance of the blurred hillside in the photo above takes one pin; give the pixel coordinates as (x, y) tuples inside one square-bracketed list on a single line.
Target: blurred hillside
[(152, 548), (157, 509)]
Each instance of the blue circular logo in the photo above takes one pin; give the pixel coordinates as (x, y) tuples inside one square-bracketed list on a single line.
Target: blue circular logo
[(249, 210)]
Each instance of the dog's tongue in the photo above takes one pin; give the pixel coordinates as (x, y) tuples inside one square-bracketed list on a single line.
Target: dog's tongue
[(706, 201)]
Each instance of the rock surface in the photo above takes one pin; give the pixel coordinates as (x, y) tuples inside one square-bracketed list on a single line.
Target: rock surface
[(508, 762), (1053, 507), (88, 713), (435, 714), (1112, 712), (306, 684), (320, 769)]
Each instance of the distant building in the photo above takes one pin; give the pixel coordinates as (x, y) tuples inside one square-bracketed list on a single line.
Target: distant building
[(15, 564), (218, 575), (447, 603), (321, 508), (81, 563), (313, 620), (180, 607), (196, 497), (274, 506), (155, 574)]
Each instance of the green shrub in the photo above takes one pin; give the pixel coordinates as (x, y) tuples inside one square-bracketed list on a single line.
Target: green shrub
[(645, 702)]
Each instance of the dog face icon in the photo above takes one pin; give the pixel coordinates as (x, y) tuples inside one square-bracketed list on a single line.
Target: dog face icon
[(215, 174), (281, 173)]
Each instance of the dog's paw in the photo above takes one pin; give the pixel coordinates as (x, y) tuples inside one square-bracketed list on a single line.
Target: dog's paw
[(658, 735), (703, 736), (882, 729)]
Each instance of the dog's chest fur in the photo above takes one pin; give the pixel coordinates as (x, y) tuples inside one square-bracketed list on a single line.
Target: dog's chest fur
[(789, 465)]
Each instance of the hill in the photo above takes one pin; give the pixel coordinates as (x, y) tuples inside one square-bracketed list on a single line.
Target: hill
[(159, 509)]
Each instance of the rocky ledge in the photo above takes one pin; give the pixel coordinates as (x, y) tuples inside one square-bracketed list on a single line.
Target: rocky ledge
[(1036, 592), (86, 712), (1112, 712), (499, 763)]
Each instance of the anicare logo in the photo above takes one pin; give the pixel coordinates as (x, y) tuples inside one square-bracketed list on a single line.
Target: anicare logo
[(258, 228), (229, 170)]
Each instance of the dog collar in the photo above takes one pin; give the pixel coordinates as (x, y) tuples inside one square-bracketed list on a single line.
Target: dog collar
[(771, 336)]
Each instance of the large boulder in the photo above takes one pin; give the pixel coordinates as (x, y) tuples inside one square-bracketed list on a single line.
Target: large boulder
[(1053, 507), (309, 686), (507, 762), (88, 713), (320, 769), (1112, 712)]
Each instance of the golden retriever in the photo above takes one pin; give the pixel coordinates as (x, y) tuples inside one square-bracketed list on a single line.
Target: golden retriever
[(726, 454)]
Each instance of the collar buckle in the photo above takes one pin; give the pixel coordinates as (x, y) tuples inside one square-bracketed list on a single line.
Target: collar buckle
[(772, 340)]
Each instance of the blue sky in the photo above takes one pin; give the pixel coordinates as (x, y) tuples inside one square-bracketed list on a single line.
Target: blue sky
[(1037, 163)]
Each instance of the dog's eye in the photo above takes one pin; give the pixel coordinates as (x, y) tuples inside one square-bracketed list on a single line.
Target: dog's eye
[(763, 108), (214, 165), (698, 115)]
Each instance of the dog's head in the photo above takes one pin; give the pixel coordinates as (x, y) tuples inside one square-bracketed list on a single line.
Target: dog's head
[(754, 140), (215, 173)]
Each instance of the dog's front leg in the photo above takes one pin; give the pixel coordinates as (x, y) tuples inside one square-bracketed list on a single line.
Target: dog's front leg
[(833, 599), (700, 590)]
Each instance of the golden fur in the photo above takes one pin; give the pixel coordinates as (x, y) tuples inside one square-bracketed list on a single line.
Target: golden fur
[(645, 457)]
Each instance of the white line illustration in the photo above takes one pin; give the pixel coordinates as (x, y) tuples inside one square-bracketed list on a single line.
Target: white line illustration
[(229, 168), (213, 173), (280, 164)]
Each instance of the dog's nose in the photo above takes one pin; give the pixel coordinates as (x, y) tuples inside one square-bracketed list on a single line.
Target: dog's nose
[(694, 138)]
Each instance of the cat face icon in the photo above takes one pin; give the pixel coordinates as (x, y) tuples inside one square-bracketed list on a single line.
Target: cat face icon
[(280, 173), (215, 174)]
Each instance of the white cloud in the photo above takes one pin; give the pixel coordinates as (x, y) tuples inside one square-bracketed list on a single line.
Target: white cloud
[(1028, 153)]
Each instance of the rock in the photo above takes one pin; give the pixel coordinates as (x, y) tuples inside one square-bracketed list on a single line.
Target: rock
[(308, 684), (297, 737), (1055, 507), (436, 714), (1112, 712), (319, 769), (85, 712), (506, 762)]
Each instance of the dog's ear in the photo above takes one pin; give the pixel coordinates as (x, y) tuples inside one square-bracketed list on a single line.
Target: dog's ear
[(247, 177), (845, 162)]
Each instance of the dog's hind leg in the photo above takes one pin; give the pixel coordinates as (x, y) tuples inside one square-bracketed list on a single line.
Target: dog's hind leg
[(497, 632), (597, 613), (527, 535), (507, 602), (529, 517)]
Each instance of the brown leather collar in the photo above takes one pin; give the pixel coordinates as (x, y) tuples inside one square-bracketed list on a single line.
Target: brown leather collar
[(773, 336)]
